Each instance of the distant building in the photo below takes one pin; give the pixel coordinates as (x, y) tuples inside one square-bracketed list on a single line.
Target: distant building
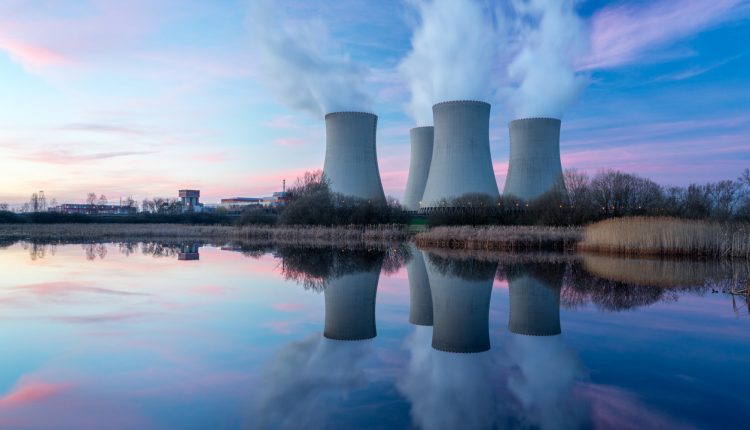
[(238, 204), (88, 209), (190, 200)]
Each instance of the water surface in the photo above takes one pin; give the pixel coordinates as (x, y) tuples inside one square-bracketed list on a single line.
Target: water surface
[(193, 336)]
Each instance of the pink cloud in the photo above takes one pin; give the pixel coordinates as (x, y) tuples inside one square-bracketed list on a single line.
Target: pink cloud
[(289, 142), (32, 56), (288, 307), (29, 391), (623, 33)]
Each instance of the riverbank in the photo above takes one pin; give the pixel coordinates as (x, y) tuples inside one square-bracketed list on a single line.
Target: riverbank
[(501, 238), (293, 235)]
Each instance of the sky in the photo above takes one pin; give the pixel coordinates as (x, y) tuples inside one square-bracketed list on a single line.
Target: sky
[(143, 98)]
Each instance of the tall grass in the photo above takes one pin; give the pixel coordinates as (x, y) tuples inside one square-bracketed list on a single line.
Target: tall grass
[(642, 236), (501, 238), (302, 235)]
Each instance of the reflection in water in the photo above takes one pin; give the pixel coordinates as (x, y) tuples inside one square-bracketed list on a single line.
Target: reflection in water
[(189, 252), (545, 368), (420, 296), (307, 381), (350, 305), (461, 293)]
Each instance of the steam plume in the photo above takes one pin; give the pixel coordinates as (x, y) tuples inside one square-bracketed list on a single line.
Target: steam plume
[(453, 51), (551, 35), (302, 65)]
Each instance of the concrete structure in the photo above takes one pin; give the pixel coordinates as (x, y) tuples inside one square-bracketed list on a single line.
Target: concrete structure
[(535, 305), (189, 197), (461, 309), (534, 167), (419, 166), (189, 252), (461, 161), (351, 163), (420, 300), (350, 306)]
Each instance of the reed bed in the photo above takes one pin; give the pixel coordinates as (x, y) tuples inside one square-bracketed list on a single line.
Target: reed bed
[(296, 235), (501, 238), (649, 236)]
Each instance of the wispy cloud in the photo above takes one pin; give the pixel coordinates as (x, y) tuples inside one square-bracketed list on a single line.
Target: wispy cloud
[(66, 157), (627, 33)]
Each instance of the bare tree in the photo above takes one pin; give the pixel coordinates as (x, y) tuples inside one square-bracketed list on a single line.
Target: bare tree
[(91, 198), (4, 206), (102, 199)]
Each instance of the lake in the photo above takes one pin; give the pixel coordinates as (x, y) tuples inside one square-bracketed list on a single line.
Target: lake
[(197, 336)]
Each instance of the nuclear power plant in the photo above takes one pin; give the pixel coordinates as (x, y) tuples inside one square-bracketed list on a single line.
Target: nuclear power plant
[(351, 162), (419, 166), (535, 302), (534, 165), (460, 306), (420, 296), (350, 305), (461, 161)]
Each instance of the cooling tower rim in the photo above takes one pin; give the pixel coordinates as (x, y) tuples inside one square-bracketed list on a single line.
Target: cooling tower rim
[(538, 333), (462, 102), (350, 113), (460, 350), (422, 127), (350, 339), (535, 118)]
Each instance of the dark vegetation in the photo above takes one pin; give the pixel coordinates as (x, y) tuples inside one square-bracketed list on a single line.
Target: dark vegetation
[(584, 199)]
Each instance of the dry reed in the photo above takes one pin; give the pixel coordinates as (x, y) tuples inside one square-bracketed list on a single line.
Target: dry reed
[(295, 235), (642, 236), (501, 238)]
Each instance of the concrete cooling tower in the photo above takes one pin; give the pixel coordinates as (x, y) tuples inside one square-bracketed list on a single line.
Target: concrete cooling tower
[(534, 167), (461, 308), (461, 161), (420, 302), (419, 166), (351, 162), (534, 306), (350, 306)]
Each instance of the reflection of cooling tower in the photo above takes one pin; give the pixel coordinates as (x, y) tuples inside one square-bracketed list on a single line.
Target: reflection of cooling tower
[(350, 306), (419, 166), (534, 307), (351, 162), (461, 308), (534, 167), (461, 161), (420, 303)]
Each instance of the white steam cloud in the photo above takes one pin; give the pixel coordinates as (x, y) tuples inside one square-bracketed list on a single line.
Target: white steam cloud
[(302, 65), (453, 52), (551, 36)]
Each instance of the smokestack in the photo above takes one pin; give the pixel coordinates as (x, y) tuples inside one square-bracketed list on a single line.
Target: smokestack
[(420, 300), (534, 166), (461, 161), (535, 305), (419, 166), (461, 308), (350, 306), (351, 163)]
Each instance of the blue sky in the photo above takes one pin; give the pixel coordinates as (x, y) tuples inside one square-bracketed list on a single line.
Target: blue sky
[(142, 98)]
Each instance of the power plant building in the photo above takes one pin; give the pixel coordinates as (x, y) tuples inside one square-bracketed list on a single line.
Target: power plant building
[(534, 167), (419, 166), (351, 162), (461, 161)]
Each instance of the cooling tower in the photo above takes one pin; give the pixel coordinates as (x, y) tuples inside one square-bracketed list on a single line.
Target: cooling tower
[(461, 307), (350, 306), (351, 163), (535, 305), (420, 302), (419, 166), (461, 161), (534, 166)]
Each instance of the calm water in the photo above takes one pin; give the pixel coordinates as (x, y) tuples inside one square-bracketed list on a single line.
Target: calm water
[(112, 336)]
